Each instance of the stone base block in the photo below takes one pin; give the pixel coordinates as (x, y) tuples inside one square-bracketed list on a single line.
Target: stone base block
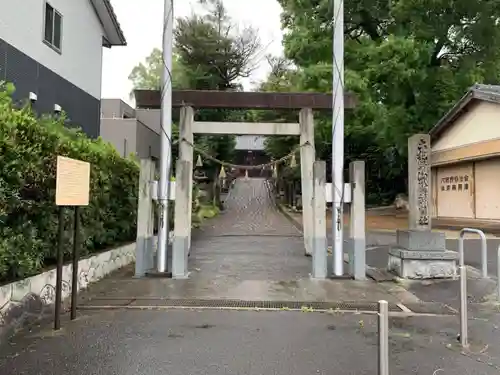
[(421, 240), (423, 264), (180, 252)]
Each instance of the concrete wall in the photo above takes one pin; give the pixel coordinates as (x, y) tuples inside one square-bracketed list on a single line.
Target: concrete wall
[(150, 118), (131, 136), (478, 124), (26, 301), (80, 59), (110, 108), (147, 142), (121, 133), (116, 108)]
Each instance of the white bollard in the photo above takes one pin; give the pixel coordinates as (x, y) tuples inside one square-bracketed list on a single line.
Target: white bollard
[(498, 273), (383, 338), (464, 330)]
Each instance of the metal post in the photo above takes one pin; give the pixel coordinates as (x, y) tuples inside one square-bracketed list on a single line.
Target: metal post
[(484, 252), (338, 137), (60, 238), (498, 273), (463, 279), (165, 136), (484, 255), (383, 338), (463, 292), (76, 258)]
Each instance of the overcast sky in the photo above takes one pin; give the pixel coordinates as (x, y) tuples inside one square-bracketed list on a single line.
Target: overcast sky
[(142, 20)]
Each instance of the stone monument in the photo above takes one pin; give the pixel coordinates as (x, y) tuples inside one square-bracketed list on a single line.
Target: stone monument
[(421, 253)]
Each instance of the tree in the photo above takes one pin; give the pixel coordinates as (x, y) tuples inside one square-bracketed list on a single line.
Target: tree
[(209, 54), (215, 57), (408, 61), (216, 52), (148, 75)]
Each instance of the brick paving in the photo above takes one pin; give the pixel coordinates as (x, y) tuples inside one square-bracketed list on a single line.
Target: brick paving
[(250, 240)]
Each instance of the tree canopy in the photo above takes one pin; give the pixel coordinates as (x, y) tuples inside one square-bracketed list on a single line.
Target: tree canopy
[(408, 61), (210, 53), (148, 75), (214, 51)]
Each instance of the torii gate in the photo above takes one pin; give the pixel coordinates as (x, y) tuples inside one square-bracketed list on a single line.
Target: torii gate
[(188, 100)]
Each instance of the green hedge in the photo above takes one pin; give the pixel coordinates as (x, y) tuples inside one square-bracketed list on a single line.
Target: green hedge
[(28, 215)]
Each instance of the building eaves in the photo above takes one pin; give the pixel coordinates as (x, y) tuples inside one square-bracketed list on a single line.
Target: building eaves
[(113, 33), (478, 92)]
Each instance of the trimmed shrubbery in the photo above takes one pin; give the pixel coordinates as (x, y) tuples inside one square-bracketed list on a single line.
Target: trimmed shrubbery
[(28, 216)]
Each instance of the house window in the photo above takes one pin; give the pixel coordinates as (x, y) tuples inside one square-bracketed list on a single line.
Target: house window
[(53, 27)]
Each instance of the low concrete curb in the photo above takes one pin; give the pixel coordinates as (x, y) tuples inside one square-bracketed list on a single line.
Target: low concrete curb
[(297, 225), (25, 302)]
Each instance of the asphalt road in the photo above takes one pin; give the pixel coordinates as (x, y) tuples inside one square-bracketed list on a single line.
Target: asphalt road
[(472, 253), (180, 342)]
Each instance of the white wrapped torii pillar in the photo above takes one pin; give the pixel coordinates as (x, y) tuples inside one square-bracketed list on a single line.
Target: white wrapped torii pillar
[(165, 139), (338, 139)]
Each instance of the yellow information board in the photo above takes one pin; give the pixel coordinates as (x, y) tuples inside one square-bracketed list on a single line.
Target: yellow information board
[(72, 182)]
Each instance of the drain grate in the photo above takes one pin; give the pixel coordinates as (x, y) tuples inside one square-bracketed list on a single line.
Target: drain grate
[(233, 303)]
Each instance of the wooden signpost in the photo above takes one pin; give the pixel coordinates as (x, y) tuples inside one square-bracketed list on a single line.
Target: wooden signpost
[(72, 189)]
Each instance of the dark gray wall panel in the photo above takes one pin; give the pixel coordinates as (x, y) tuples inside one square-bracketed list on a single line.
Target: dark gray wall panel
[(28, 75), (3, 60)]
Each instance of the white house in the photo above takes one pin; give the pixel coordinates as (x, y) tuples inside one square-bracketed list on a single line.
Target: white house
[(53, 49)]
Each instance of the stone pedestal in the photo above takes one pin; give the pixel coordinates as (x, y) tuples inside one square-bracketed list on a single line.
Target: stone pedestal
[(422, 255), (417, 240)]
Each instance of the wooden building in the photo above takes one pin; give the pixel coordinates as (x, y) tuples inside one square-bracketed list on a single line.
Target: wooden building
[(466, 158)]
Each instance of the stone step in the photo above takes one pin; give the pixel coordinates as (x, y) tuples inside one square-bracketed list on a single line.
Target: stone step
[(379, 274)]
